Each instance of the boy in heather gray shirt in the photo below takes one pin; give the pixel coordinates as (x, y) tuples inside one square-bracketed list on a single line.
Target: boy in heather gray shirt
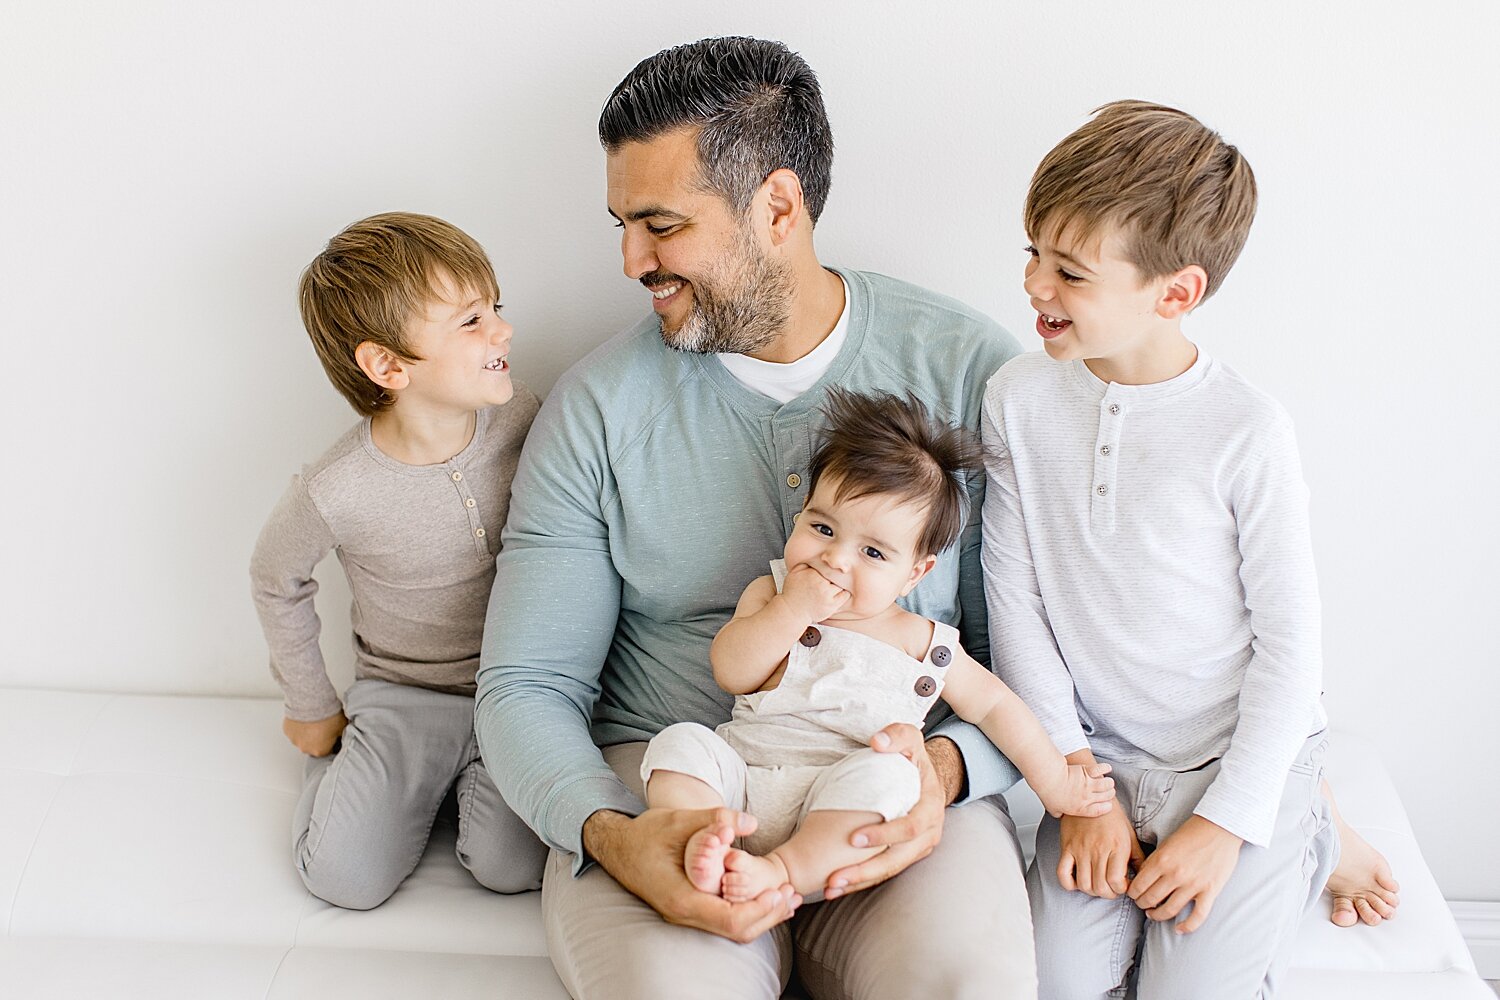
[(402, 310)]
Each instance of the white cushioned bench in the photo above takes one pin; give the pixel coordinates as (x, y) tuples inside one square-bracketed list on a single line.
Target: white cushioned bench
[(144, 852)]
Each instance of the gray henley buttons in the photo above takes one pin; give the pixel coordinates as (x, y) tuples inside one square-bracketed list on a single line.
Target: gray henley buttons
[(1104, 450), (1103, 489), (478, 532), (469, 502), (1114, 409), (457, 476), (941, 655), (811, 637), (794, 480), (925, 686)]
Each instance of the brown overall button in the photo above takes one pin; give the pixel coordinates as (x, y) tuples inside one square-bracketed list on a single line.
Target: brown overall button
[(811, 637), (941, 655), (925, 686)]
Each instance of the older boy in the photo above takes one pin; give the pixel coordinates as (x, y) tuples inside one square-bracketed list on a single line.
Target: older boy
[(1150, 579), (402, 310)]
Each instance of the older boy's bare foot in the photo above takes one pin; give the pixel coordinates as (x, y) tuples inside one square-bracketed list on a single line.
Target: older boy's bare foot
[(747, 876), (1362, 886), (703, 857)]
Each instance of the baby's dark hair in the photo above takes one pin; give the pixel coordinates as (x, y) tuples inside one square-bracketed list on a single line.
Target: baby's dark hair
[(884, 445)]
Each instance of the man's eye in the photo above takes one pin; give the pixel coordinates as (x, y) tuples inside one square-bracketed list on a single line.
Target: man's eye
[(659, 230), (874, 553)]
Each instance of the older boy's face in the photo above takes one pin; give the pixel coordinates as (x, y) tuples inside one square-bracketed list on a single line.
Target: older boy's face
[(712, 283), (1091, 302), (464, 347)]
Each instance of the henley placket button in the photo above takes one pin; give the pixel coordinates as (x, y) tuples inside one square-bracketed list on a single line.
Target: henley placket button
[(457, 476), (1104, 450), (811, 637), (469, 502), (1114, 409), (1103, 489), (925, 686), (794, 480), (478, 532)]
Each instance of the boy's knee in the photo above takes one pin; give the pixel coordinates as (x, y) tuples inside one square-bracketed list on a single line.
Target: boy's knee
[(346, 888), (507, 871)]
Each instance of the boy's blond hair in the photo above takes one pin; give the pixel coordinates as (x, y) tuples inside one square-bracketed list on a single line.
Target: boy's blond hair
[(371, 281), (1178, 193)]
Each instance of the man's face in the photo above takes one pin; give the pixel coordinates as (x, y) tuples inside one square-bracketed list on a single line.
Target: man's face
[(713, 282)]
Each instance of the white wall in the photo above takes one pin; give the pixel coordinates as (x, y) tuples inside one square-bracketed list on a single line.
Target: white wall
[(167, 168)]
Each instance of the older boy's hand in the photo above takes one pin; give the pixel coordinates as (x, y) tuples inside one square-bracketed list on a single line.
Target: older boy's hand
[(1191, 866), (910, 838), (1095, 854), (644, 854), (316, 739)]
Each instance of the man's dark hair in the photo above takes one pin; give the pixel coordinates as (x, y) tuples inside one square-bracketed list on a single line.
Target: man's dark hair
[(884, 445), (756, 104)]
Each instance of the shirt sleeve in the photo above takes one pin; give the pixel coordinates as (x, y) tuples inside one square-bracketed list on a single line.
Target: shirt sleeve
[(293, 541), (1021, 640), (1278, 701), (551, 618)]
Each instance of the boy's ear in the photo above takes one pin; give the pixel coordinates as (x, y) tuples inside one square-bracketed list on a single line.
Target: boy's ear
[(921, 569), (381, 366), (1181, 292), (782, 189)]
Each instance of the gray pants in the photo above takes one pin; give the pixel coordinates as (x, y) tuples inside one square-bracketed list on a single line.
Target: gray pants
[(1089, 947), (954, 925), (365, 813)]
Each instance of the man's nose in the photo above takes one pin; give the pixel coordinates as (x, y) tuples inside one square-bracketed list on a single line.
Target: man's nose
[(638, 253)]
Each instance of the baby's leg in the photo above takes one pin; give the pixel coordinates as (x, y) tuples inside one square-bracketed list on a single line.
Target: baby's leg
[(688, 766), (1362, 886), (818, 848)]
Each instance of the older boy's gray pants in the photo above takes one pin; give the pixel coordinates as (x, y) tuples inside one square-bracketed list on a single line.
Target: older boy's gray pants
[(1087, 947), (954, 925), (362, 822)]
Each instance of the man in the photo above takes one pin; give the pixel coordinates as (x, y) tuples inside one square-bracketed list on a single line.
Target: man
[(661, 476)]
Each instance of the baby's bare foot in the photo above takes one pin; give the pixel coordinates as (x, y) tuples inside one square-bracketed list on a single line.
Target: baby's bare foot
[(747, 876), (1362, 886), (703, 857)]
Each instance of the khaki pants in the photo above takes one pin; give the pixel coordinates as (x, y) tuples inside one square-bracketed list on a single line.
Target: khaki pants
[(954, 925)]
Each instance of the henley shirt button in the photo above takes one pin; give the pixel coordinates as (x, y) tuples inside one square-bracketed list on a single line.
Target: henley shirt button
[(457, 476), (469, 502), (811, 637), (1103, 489), (925, 686), (1104, 450), (1114, 409), (794, 480), (941, 655), (478, 532)]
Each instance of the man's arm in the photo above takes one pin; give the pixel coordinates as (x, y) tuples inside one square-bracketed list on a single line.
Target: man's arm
[(552, 615)]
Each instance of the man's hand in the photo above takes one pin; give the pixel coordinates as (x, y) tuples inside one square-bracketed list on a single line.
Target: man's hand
[(644, 855), (316, 739), (1095, 855), (1191, 866), (910, 838), (806, 590)]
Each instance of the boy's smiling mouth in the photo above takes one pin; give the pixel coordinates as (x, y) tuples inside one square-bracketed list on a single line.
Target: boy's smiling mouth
[(1051, 326), (498, 365)]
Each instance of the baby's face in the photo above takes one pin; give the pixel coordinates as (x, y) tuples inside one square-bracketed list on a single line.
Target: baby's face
[(866, 546)]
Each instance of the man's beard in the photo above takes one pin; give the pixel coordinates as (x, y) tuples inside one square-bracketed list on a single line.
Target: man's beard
[(739, 309)]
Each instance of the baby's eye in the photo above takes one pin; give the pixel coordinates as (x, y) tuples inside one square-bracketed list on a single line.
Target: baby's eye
[(822, 529), (874, 553)]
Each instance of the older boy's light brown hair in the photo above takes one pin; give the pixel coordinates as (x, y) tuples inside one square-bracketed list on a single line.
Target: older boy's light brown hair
[(371, 281), (1178, 193)]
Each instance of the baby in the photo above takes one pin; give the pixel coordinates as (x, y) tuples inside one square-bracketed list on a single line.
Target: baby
[(821, 657)]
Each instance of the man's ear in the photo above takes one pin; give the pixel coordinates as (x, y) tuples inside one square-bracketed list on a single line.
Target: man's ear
[(381, 366), (782, 191), (921, 569), (1182, 292)]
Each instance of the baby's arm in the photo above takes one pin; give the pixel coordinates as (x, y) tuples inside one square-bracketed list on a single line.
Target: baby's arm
[(295, 538), (748, 650), (980, 697)]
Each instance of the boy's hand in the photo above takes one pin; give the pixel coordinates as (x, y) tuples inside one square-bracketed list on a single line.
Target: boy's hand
[(1079, 790), (316, 739), (1095, 855), (811, 594), (1191, 866)]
